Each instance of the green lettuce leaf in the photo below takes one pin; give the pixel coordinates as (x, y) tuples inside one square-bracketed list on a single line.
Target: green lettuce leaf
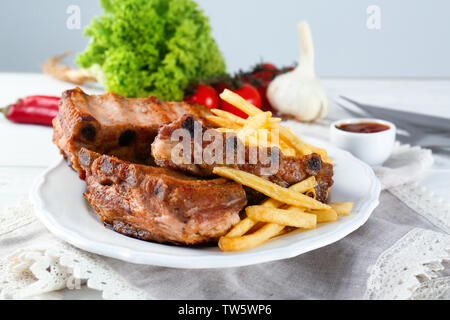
[(151, 47)]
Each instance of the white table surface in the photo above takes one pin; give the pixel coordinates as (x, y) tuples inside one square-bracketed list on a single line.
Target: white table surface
[(27, 150)]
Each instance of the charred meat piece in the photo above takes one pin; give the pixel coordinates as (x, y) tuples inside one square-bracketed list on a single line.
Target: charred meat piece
[(192, 152), (158, 204), (111, 124)]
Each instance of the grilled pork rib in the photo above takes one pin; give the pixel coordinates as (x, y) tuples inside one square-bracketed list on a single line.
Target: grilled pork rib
[(111, 124), (275, 167), (159, 204)]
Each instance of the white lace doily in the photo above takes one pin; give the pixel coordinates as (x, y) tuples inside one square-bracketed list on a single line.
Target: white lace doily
[(422, 201), (410, 269), (40, 270), (15, 216), (406, 164)]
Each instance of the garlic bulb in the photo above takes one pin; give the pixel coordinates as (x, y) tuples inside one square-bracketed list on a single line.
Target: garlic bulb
[(300, 93)]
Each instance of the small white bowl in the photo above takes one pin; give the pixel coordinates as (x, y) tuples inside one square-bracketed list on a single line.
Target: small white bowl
[(372, 148)]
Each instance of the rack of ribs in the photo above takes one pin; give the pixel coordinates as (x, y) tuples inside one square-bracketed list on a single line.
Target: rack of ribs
[(107, 138), (274, 166), (158, 204), (114, 125)]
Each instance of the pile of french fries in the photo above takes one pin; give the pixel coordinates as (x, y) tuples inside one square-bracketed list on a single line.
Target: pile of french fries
[(287, 208)]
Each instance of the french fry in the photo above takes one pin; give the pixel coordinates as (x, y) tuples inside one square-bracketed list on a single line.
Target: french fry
[(287, 134), (304, 148), (288, 152), (241, 228), (239, 102), (253, 124), (229, 116), (227, 130), (255, 141), (270, 189), (238, 120), (291, 139), (223, 122), (284, 145), (257, 238), (260, 138), (342, 208), (304, 185), (300, 187), (325, 215), (286, 208), (246, 224), (313, 192), (274, 121), (292, 217)]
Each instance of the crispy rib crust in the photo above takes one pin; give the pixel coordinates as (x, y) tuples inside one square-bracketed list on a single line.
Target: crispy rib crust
[(111, 124), (289, 170), (158, 204)]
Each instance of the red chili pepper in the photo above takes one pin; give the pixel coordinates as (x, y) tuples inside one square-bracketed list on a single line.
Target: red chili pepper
[(33, 110), (31, 115), (40, 101)]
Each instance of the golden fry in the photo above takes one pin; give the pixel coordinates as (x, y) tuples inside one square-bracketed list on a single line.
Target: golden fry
[(223, 122), (285, 206), (254, 141), (304, 185), (287, 135), (257, 238), (239, 102), (241, 228), (227, 130), (325, 215), (304, 148), (299, 187), (342, 208), (263, 138), (270, 189), (242, 104), (284, 145), (292, 217), (291, 139), (288, 152), (312, 192), (229, 116), (246, 224), (253, 124)]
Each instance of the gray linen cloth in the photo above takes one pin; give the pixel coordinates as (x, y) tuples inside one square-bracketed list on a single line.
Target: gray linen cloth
[(337, 271)]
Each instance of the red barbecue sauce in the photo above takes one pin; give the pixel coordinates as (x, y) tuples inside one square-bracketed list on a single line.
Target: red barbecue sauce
[(363, 127)]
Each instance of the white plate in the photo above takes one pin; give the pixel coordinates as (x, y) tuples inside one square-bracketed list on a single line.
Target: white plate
[(58, 197)]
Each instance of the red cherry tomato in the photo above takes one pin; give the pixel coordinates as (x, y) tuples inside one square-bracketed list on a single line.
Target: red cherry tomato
[(267, 72), (206, 96), (249, 93), (220, 87), (265, 75)]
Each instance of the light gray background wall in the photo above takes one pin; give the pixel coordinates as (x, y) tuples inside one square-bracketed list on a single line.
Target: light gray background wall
[(413, 40)]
